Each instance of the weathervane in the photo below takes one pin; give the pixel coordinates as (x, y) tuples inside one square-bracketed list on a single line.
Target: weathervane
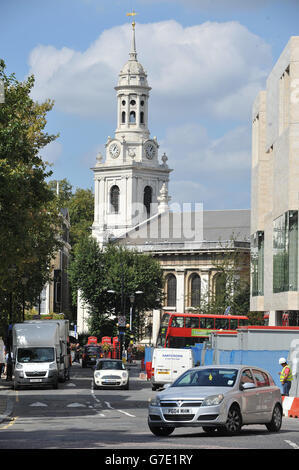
[(132, 14)]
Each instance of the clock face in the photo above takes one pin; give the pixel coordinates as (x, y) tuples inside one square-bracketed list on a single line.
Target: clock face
[(150, 150), (114, 150)]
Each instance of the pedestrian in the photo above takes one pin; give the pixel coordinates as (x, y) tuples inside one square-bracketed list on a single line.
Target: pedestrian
[(286, 377), (77, 353), (2, 357)]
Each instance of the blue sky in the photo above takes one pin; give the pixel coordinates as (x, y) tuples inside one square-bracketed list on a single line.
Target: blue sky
[(206, 61)]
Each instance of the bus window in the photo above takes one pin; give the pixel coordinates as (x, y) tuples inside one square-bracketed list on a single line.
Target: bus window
[(177, 342), (221, 323), (243, 322), (192, 322), (177, 322), (207, 323), (233, 323), (162, 337)]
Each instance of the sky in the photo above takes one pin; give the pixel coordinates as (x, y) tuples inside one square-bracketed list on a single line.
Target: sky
[(206, 61)]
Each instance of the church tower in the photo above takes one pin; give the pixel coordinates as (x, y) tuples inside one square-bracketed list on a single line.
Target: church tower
[(129, 181)]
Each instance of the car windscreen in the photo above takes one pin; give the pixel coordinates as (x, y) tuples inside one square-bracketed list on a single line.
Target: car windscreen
[(93, 350), (116, 365), (36, 355), (207, 378)]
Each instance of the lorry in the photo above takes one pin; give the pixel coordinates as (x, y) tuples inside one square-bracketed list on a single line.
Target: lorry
[(64, 346), (168, 364), (36, 354)]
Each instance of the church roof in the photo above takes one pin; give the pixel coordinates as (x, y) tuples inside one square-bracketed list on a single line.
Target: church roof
[(194, 230)]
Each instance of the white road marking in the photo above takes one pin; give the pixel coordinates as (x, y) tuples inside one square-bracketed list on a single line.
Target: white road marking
[(75, 405), (292, 444), (38, 404)]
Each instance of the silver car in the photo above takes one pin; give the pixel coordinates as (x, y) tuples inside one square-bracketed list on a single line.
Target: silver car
[(222, 398)]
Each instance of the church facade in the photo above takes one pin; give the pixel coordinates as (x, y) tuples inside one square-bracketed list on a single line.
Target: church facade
[(132, 208)]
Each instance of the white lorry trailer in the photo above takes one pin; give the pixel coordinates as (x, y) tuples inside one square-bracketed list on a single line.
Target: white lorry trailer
[(64, 350), (36, 354), (168, 364)]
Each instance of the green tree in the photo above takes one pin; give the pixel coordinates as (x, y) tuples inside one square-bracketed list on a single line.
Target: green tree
[(95, 272), (231, 283), (81, 209), (28, 215)]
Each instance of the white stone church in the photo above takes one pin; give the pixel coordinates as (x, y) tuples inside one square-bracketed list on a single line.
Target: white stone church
[(132, 207)]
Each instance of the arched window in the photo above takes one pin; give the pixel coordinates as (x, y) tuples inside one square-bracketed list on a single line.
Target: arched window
[(114, 199), (123, 117), (171, 290), (132, 117), (147, 199), (195, 290)]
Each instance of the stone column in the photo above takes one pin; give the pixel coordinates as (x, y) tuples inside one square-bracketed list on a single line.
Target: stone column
[(180, 290), (204, 285)]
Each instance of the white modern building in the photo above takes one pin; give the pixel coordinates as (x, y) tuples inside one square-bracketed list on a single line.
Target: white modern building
[(275, 192)]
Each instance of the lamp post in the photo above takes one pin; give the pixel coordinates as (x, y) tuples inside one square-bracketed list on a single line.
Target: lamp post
[(132, 300)]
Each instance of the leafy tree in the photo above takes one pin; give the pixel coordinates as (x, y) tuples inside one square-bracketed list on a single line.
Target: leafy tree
[(232, 286), (28, 215), (81, 209), (97, 271)]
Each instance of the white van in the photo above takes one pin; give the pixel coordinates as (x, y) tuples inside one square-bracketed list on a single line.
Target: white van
[(168, 364)]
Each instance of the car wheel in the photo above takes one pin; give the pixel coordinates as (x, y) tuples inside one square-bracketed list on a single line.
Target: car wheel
[(234, 420), (95, 387), (275, 423), (126, 387), (161, 430)]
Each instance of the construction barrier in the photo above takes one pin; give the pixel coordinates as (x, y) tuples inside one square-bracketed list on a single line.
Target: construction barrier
[(290, 407)]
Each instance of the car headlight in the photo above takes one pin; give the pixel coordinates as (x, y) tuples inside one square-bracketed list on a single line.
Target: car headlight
[(19, 366), (53, 366), (124, 374), (213, 400), (155, 401), (97, 374)]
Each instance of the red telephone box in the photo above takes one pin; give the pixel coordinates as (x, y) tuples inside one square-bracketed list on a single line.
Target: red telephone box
[(92, 340), (115, 352)]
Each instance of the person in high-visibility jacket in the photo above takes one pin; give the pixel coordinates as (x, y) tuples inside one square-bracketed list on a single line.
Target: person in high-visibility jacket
[(286, 376)]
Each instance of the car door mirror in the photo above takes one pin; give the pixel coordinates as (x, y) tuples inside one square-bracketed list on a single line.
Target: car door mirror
[(247, 386)]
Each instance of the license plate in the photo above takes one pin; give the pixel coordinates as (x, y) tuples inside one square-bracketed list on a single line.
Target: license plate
[(179, 411), (109, 382), (163, 372), (36, 380)]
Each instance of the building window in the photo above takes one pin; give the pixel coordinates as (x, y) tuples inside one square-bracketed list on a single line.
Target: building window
[(285, 252), (195, 290), (147, 199), (114, 199), (171, 290), (142, 117), (123, 117), (132, 117), (257, 263)]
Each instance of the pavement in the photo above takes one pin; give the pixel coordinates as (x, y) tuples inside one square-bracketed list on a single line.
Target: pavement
[(5, 403)]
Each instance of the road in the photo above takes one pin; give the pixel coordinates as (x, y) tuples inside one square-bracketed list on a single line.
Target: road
[(77, 417)]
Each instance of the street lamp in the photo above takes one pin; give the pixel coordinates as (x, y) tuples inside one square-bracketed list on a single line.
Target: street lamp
[(132, 300)]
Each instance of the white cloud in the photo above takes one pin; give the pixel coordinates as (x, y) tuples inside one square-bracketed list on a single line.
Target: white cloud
[(219, 67), (206, 169), (51, 152)]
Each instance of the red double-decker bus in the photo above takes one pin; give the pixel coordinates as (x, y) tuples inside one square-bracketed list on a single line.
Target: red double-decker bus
[(178, 330)]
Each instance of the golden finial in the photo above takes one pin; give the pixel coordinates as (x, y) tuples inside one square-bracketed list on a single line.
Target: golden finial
[(132, 14)]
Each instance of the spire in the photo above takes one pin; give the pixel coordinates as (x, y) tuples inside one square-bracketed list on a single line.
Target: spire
[(133, 53)]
